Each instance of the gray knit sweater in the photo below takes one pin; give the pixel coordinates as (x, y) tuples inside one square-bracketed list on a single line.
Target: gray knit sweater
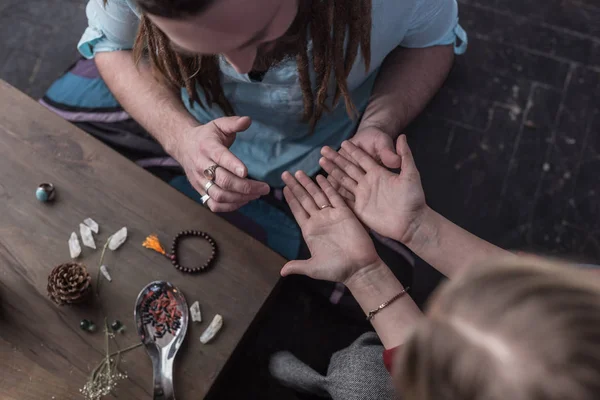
[(355, 373)]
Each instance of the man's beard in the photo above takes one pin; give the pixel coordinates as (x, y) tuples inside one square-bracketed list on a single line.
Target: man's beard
[(286, 47)]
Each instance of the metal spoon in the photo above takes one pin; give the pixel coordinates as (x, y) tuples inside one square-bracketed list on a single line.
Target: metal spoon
[(162, 337)]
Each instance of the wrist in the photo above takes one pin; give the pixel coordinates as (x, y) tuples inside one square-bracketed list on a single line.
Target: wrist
[(367, 276), (423, 231), (390, 120), (172, 142), (379, 124)]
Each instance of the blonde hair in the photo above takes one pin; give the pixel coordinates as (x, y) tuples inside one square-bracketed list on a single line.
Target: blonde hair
[(524, 329)]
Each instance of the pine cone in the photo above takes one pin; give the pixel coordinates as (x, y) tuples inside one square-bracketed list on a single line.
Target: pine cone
[(69, 283)]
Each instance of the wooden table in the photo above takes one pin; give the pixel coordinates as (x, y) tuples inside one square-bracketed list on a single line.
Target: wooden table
[(43, 353)]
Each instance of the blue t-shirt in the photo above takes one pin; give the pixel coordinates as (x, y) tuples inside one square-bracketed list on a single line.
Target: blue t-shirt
[(278, 139)]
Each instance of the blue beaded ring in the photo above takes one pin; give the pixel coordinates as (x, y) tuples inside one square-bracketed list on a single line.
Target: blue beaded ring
[(45, 192)]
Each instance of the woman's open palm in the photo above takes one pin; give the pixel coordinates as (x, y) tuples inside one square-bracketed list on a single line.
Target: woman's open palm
[(338, 243), (386, 202)]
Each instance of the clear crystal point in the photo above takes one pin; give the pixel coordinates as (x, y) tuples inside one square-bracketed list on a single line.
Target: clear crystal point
[(104, 271), (86, 236), (195, 312), (74, 246), (92, 224), (118, 239)]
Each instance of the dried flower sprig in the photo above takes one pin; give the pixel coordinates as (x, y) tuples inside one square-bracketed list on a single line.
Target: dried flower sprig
[(104, 378)]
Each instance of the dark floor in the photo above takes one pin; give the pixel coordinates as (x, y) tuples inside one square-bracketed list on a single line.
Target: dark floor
[(38, 40), (509, 149)]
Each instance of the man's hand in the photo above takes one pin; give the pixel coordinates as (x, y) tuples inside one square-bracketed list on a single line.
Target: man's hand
[(378, 145), (206, 145), (338, 243), (159, 109), (390, 204)]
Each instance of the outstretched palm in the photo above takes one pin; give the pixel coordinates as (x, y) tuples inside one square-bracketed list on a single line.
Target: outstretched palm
[(338, 243), (386, 202)]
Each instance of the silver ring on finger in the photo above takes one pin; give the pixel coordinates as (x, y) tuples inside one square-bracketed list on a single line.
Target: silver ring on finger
[(208, 185), (205, 199), (325, 206)]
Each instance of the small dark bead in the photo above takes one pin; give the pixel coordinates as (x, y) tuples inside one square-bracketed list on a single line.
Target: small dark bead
[(116, 325), (174, 262), (84, 324)]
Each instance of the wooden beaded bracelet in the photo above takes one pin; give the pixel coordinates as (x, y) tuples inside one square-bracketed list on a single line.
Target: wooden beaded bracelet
[(153, 243)]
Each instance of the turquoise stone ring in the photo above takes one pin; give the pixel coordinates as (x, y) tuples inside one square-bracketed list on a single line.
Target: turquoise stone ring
[(45, 192)]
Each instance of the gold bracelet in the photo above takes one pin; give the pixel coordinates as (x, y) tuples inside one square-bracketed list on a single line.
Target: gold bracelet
[(372, 313)]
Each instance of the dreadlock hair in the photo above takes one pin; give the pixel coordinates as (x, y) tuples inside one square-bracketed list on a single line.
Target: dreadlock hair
[(330, 22)]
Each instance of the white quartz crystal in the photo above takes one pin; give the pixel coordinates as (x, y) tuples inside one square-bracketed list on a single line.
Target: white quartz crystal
[(212, 330), (92, 224), (195, 312), (74, 246), (104, 271), (118, 239), (86, 236)]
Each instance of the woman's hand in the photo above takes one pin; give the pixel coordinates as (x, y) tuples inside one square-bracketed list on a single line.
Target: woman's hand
[(390, 204), (209, 144), (338, 243)]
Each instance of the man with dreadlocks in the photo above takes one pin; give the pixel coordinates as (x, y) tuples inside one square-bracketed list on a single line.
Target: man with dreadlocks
[(253, 88)]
